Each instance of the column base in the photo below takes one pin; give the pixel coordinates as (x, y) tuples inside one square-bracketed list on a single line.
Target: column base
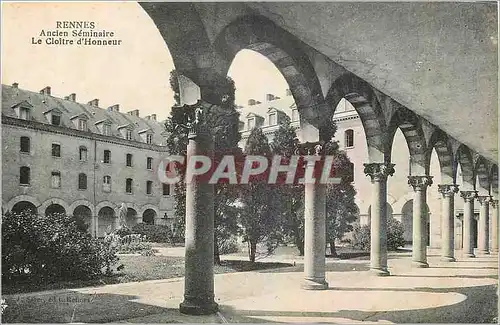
[(469, 255), (379, 271), (447, 259), (314, 284), (420, 265), (197, 307)]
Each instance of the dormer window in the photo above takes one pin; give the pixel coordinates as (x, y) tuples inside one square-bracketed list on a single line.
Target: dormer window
[(149, 138), (106, 129), (53, 116), (23, 110), (126, 131), (80, 121), (55, 120), (146, 135), (251, 123), (82, 124), (128, 135), (272, 119)]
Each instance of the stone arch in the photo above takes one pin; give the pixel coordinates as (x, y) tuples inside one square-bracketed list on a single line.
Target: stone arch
[(52, 201), (21, 198), (439, 141), (149, 206), (463, 156), (77, 203), (410, 125), (185, 35), (362, 96), (481, 170), (102, 204), (106, 221), (284, 50), (407, 221), (83, 213)]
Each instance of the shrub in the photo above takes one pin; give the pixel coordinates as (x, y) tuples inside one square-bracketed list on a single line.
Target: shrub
[(228, 246), (158, 233), (129, 244), (51, 248), (395, 238)]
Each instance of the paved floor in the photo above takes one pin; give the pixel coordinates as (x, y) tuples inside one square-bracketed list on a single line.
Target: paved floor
[(460, 292)]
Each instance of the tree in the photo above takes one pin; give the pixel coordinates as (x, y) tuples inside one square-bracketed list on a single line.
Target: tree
[(291, 195), (223, 123), (341, 210), (260, 213)]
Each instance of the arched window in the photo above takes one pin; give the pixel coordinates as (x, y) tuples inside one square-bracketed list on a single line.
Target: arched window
[(83, 153), (106, 183), (349, 138), (82, 181), (55, 180), (25, 144), (25, 175), (129, 160)]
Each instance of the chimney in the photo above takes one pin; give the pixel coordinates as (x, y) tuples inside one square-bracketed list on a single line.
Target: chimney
[(45, 91), (71, 97), (251, 102), (153, 117), (269, 97), (114, 108), (135, 112), (15, 85), (147, 117), (94, 102), (288, 92)]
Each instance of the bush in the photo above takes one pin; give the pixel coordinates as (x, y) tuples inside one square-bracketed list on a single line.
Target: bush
[(395, 239), (157, 233), (228, 246), (36, 248), (129, 244)]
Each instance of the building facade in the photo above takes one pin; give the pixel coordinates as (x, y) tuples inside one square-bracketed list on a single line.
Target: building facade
[(63, 156), (351, 137)]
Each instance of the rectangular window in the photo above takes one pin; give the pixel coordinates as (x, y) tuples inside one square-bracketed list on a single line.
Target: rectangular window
[(56, 119), (106, 184), (106, 129), (295, 115), (56, 150), (149, 187), (83, 154), (272, 119), (24, 175), (82, 125), (129, 160), (82, 181), (149, 138), (55, 180), (24, 114), (251, 123), (149, 163), (166, 189), (128, 135), (25, 144), (128, 185), (107, 157)]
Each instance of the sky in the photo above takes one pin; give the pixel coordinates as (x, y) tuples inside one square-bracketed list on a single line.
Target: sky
[(134, 74)]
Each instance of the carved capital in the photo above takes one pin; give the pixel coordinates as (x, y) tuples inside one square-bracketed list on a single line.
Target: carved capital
[(310, 148), (468, 195), (494, 203), (448, 189), (192, 117), (379, 171), (484, 199), (419, 183)]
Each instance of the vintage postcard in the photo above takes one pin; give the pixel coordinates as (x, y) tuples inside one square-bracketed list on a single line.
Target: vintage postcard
[(249, 162)]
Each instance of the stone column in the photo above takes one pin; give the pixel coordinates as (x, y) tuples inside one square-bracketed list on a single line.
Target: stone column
[(314, 220), (419, 250), (199, 233), (483, 230), (468, 239), (448, 222), (94, 226), (494, 226), (378, 173)]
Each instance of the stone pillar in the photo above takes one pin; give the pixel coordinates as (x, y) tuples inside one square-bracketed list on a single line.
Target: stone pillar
[(94, 226), (419, 250), (199, 233), (494, 226), (314, 221), (483, 230), (468, 239), (378, 173), (448, 222)]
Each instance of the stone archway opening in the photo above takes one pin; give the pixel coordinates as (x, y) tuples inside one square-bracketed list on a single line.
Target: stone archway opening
[(131, 217), (106, 221), (148, 217), (24, 206), (407, 221), (55, 208), (83, 217)]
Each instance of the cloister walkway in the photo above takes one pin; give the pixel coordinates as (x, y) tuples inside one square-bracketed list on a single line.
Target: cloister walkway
[(460, 292)]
